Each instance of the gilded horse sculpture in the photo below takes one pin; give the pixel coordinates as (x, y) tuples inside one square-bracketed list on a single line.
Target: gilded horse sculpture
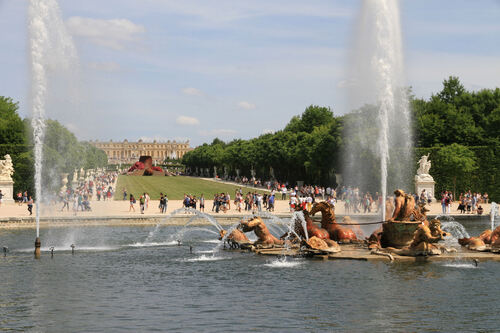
[(235, 239), (329, 223), (265, 238), (312, 229)]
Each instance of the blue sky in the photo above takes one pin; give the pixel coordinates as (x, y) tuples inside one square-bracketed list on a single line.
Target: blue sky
[(199, 69)]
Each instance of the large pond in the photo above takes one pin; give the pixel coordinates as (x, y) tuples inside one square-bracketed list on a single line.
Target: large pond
[(116, 282)]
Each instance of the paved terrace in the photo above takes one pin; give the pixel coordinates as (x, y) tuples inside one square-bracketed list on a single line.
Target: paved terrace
[(117, 213)]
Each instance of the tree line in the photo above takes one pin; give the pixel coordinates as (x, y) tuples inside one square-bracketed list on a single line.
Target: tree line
[(459, 128), (62, 152)]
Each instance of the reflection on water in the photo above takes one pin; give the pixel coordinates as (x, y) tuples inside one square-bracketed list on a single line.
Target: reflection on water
[(160, 286)]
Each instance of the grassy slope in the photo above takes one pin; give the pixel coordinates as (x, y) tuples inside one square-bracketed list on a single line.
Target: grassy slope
[(174, 187)]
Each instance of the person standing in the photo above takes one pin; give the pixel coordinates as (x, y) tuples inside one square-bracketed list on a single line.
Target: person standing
[(270, 204), (30, 205), (443, 202), (162, 203), (1, 197), (202, 203), (259, 202), (124, 193), (146, 197), (309, 201)]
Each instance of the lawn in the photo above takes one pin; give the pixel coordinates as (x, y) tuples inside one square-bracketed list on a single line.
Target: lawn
[(174, 187)]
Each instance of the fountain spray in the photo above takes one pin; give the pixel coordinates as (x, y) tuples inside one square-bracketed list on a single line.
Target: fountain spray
[(493, 214), (50, 46), (377, 77)]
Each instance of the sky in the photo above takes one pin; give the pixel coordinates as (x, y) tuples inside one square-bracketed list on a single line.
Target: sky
[(200, 69)]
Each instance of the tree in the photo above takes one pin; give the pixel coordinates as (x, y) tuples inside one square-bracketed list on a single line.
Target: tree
[(455, 162), (312, 117), (452, 89), (12, 129)]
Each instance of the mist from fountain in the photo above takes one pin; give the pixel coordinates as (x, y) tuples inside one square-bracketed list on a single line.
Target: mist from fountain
[(456, 230), (50, 48), (377, 77), (493, 213), (197, 215)]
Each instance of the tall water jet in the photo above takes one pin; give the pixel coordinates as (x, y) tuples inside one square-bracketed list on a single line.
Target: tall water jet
[(377, 90), (50, 48)]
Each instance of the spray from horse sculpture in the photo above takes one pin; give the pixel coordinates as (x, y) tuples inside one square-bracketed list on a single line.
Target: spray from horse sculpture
[(377, 77), (50, 47)]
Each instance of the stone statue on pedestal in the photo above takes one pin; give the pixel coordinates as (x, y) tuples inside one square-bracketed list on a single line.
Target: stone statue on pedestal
[(423, 180), (6, 182), (6, 168)]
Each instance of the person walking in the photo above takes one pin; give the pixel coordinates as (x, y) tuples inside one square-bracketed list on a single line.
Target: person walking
[(132, 202), (30, 205), (65, 202), (142, 200), (1, 197)]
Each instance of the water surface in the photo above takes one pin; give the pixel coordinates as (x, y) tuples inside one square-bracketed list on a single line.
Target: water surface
[(116, 283)]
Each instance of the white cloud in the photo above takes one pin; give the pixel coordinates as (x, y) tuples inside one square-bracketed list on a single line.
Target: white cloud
[(188, 121), (267, 131), (218, 132), (192, 92), (246, 105), (114, 33), (105, 66), (346, 83)]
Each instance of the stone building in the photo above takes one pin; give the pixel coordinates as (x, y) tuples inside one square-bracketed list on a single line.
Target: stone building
[(129, 152)]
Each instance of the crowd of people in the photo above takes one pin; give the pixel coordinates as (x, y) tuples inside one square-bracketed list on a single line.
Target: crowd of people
[(468, 202), (80, 194)]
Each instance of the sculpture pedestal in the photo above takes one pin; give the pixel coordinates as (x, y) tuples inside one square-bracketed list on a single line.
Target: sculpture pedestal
[(7, 187), (425, 182)]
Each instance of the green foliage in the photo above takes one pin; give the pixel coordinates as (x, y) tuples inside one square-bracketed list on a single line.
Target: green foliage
[(304, 150), (314, 116), (174, 187), (455, 115), (449, 125), (467, 168), (62, 152), (455, 162), (11, 125)]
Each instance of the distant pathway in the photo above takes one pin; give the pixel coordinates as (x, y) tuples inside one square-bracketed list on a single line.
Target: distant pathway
[(234, 184)]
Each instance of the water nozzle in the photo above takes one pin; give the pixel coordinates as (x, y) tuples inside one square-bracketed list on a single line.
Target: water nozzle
[(72, 248)]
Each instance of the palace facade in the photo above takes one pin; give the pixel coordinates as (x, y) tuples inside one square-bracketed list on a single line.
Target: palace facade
[(129, 152)]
